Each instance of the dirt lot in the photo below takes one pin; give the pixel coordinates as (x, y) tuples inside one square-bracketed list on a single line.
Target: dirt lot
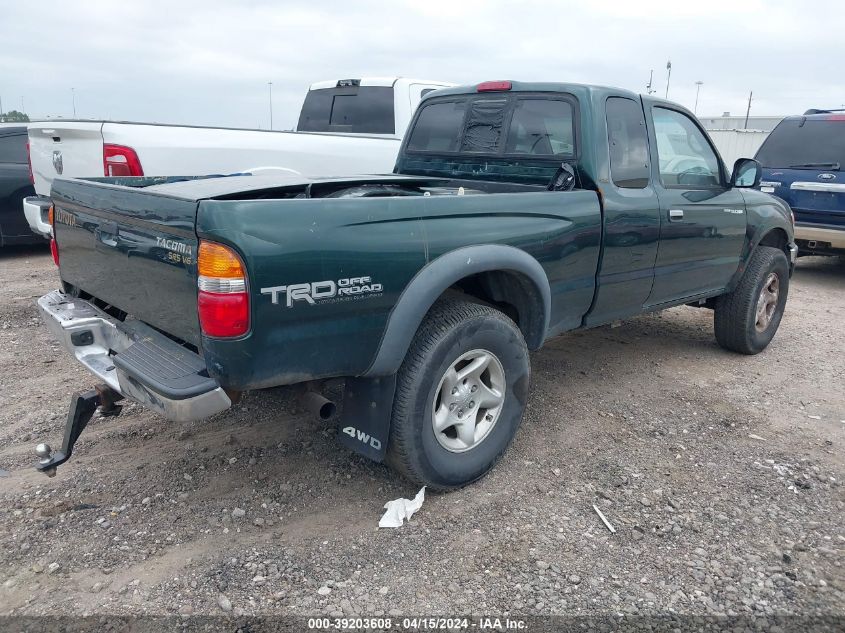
[(722, 474)]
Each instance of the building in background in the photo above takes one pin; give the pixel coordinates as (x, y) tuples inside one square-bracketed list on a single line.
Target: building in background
[(734, 138), (729, 122)]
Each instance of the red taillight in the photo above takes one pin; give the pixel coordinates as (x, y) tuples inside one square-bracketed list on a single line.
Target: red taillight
[(119, 160), (54, 251), (223, 315), (29, 164), (222, 300), (493, 86)]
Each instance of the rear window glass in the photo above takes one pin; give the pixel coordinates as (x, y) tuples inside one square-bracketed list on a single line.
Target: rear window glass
[(13, 149), (818, 142), (438, 127), (483, 129), (349, 109), (541, 126), (496, 125)]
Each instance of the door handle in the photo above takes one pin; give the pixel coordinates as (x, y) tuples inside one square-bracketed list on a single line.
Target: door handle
[(676, 214)]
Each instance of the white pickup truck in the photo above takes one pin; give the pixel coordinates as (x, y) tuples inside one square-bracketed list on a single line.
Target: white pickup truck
[(347, 126)]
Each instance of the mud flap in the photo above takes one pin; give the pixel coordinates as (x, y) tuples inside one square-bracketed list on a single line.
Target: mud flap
[(367, 409)]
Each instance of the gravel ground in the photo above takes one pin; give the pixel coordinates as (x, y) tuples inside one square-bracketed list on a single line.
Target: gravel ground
[(721, 474)]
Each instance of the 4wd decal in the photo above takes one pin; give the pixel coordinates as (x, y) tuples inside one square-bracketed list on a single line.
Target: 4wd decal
[(328, 291), (359, 435)]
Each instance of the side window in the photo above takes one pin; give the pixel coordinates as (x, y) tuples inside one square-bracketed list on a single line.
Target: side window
[(13, 149), (628, 141), (686, 158)]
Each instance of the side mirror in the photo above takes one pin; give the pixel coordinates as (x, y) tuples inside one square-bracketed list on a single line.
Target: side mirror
[(747, 173)]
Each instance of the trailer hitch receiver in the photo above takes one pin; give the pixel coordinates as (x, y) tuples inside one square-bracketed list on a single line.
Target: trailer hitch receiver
[(82, 408)]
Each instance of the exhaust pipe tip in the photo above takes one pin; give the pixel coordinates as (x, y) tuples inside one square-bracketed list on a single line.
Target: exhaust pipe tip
[(318, 406)]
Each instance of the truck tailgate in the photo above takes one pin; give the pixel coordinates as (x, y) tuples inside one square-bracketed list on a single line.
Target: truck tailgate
[(64, 148), (132, 249)]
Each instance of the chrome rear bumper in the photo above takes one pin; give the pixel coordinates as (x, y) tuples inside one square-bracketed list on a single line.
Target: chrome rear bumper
[(95, 339), (834, 236)]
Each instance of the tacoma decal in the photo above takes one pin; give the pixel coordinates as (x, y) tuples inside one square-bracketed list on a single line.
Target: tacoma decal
[(328, 291), (173, 245)]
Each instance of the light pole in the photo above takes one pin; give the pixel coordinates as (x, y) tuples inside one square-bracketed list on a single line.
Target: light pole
[(668, 76), (73, 97), (748, 111), (697, 90), (270, 83)]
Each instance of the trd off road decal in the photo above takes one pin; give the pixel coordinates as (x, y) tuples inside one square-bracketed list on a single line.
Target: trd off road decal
[(329, 291)]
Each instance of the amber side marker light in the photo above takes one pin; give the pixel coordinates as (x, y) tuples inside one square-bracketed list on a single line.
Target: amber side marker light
[(222, 299)]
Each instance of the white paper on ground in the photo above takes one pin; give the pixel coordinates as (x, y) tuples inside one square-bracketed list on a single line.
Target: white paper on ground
[(398, 510)]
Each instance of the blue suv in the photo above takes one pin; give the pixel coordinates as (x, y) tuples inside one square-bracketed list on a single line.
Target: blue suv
[(802, 160)]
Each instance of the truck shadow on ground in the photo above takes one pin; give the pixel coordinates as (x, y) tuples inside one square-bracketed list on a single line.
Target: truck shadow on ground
[(26, 250), (819, 269)]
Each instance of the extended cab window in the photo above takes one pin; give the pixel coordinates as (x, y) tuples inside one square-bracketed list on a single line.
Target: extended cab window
[(628, 141), (349, 109), (686, 158), (496, 125)]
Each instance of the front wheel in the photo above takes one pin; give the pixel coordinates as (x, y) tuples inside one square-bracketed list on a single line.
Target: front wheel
[(747, 318), (460, 395)]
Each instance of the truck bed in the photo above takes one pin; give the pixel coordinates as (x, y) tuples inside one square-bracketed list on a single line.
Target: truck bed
[(132, 249)]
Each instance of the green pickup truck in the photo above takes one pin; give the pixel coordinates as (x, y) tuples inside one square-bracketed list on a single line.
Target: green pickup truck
[(516, 211)]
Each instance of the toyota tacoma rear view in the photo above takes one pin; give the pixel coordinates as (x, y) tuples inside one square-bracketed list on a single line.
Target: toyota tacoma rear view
[(516, 211)]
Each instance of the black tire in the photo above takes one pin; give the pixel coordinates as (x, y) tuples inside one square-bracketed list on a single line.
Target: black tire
[(451, 329), (736, 320)]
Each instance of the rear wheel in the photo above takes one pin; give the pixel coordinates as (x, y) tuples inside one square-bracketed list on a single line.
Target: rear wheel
[(461, 392), (747, 318)]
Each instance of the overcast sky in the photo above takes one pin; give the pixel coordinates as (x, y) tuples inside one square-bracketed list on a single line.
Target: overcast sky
[(208, 62)]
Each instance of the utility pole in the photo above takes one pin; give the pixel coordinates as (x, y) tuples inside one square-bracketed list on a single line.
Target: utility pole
[(697, 90), (748, 111), (668, 76), (270, 83), (649, 90), (22, 108), (73, 96)]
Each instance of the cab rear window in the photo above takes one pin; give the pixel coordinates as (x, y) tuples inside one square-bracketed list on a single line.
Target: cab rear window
[(511, 125), (805, 144), (349, 109)]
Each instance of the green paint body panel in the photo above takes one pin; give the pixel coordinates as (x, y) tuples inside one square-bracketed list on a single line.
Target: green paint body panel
[(606, 253), (388, 240)]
